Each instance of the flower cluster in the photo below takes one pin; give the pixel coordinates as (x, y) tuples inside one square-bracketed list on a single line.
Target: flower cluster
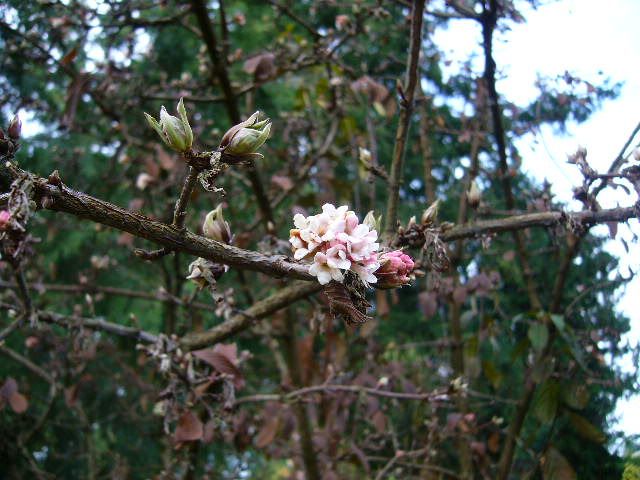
[(336, 241)]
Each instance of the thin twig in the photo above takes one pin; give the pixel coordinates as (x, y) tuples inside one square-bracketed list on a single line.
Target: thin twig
[(406, 108)]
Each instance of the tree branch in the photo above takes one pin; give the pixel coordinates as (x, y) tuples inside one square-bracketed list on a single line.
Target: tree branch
[(246, 319), (406, 108)]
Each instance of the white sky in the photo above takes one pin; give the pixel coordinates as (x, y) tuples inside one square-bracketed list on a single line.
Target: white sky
[(582, 37)]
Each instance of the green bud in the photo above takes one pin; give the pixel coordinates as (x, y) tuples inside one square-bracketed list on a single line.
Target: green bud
[(216, 227), (175, 132), (242, 141)]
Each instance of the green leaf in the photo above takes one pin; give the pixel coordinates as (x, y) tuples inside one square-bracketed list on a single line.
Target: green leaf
[(556, 467), (538, 335), (586, 429), (546, 405), (558, 321), (492, 373), (576, 395)]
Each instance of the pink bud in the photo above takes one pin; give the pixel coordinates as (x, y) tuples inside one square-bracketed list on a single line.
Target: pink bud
[(395, 268), (5, 216)]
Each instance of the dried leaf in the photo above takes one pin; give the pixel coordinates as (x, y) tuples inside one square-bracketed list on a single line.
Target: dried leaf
[(460, 294), (69, 57), (18, 402), (222, 362), (189, 428), (268, 431), (382, 304), (379, 421), (342, 303), (428, 302), (262, 66), (493, 442), (282, 181), (9, 387)]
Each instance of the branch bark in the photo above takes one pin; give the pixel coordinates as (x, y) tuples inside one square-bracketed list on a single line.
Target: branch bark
[(406, 109), (249, 317)]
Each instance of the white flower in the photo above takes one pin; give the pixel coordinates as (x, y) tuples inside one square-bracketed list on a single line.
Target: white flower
[(320, 268)]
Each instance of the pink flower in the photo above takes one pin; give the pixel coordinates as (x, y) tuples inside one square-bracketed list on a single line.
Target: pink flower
[(338, 241), (394, 270)]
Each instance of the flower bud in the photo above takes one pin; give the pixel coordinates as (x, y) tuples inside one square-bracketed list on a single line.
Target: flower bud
[(216, 227), (372, 222), (430, 215), (395, 268), (205, 272), (242, 141), (175, 132), (15, 127), (474, 195), (5, 216)]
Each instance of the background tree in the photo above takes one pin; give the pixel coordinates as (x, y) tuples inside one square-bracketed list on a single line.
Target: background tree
[(497, 361)]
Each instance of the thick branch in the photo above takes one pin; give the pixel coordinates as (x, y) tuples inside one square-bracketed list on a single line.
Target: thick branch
[(244, 320)]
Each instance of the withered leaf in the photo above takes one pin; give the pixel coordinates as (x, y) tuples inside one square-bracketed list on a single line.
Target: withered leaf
[(342, 303), (379, 421), (9, 387), (189, 428), (18, 402), (222, 362), (268, 431)]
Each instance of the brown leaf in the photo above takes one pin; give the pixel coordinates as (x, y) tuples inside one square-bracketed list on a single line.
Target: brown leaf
[(493, 442), (262, 66), (222, 362), (69, 57), (208, 431), (460, 295), (382, 304), (341, 303), (268, 431), (9, 387), (189, 428), (428, 302), (305, 357), (282, 181), (18, 402), (71, 395), (379, 421)]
